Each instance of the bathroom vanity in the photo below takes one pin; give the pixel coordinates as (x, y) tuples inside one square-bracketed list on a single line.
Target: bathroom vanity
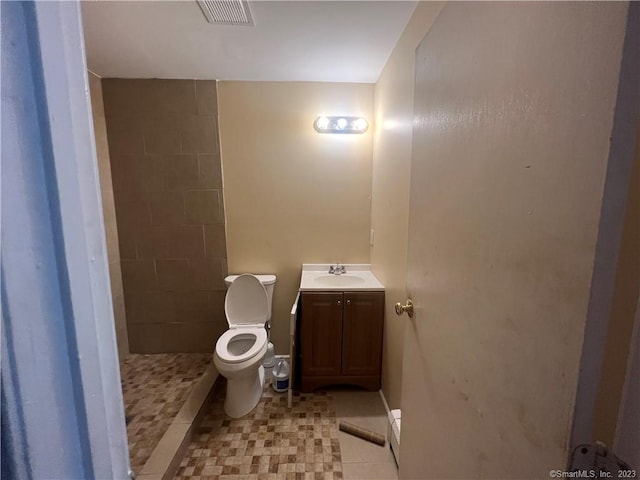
[(339, 325)]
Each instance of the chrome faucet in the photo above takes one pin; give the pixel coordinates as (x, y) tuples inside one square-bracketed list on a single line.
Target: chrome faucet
[(337, 269)]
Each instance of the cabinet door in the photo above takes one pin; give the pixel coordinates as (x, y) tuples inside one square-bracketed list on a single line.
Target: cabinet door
[(321, 333), (363, 323)]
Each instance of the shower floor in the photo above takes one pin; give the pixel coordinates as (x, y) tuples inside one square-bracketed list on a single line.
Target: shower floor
[(154, 388)]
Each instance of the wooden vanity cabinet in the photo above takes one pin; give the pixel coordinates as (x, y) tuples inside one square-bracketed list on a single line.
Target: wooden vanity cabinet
[(341, 339)]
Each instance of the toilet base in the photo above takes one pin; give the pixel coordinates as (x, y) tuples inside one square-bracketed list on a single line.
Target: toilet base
[(244, 393)]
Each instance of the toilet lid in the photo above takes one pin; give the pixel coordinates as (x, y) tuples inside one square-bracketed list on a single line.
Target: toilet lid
[(246, 302)]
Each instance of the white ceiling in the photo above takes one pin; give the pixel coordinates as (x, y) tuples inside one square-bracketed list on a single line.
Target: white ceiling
[(328, 41)]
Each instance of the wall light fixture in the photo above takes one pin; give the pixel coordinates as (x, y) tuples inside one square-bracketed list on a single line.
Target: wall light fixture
[(341, 125)]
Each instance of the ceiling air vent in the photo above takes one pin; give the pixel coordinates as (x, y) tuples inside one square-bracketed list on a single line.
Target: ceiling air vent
[(227, 12)]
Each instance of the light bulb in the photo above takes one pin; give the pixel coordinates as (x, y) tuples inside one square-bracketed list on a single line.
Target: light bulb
[(322, 123), (360, 124), (341, 123)]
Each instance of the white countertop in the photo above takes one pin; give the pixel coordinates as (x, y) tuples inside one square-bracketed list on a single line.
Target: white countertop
[(316, 277)]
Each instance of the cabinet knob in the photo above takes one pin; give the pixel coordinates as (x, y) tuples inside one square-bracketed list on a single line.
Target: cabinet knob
[(400, 309), (348, 302), (339, 302)]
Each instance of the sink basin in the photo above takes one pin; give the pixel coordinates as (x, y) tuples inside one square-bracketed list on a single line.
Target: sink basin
[(344, 280), (316, 277)]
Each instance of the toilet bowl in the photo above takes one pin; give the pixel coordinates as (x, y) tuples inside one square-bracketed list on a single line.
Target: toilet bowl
[(240, 350)]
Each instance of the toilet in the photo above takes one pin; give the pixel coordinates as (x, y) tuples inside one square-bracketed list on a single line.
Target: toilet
[(240, 350)]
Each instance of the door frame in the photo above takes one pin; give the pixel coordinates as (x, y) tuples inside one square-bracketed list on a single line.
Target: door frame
[(619, 169), (63, 410)]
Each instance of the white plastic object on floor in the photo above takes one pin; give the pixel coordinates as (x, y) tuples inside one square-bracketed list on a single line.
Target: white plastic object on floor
[(394, 433), (281, 376), (269, 357), (268, 363)]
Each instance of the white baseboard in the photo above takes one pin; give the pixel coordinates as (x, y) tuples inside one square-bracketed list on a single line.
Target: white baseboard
[(384, 402)]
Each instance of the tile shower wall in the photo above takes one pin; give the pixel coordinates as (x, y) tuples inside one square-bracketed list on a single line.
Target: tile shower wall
[(167, 183), (109, 214)]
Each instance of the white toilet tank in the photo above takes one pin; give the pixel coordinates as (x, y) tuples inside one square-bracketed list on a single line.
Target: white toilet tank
[(267, 280)]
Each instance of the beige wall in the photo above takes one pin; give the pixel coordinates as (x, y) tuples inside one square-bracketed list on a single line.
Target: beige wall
[(623, 313), (167, 181), (514, 106), (293, 196), (109, 214), (390, 190)]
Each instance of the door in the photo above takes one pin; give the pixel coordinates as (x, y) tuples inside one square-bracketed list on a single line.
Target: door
[(363, 321), (321, 334), (506, 187)]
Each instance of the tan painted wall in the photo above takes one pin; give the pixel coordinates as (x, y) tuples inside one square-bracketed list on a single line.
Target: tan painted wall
[(623, 313), (109, 214), (514, 107), (390, 190), (167, 182), (293, 196)]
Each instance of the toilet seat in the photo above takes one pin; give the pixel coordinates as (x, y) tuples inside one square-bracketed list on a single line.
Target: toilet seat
[(222, 345)]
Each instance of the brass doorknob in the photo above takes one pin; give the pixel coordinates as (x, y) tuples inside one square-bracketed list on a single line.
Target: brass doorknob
[(400, 309)]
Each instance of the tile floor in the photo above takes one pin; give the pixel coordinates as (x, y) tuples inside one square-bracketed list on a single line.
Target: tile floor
[(274, 442), (154, 388), (363, 460)]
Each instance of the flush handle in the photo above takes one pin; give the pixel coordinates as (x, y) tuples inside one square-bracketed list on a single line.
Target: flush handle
[(400, 309)]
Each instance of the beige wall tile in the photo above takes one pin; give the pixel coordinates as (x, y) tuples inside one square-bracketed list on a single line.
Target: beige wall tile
[(150, 174), (151, 242), (203, 207), (207, 273), (194, 307), (122, 98), (217, 303), (126, 242), (147, 338), (150, 307), (215, 240), (206, 97), (173, 337), (210, 170), (163, 97), (170, 242), (174, 274), (181, 172), (151, 124), (138, 275), (161, 139), (167, 208), (185, 241), (125, 136), (137, 173), (198, 134)]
